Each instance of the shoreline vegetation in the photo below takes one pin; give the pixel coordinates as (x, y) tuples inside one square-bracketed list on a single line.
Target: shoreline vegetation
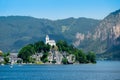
[(61, 53)]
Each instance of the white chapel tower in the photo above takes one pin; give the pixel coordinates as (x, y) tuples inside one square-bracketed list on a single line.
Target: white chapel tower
[(47, 39), (50, 42)]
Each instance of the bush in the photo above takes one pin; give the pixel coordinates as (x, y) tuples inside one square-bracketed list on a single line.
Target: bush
[(80, 56), (6, 60), (64, 61), (91, 57), (26, 52), (53, 61)]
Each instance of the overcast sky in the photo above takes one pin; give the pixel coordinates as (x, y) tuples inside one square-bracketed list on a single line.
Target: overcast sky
[(59, 9)]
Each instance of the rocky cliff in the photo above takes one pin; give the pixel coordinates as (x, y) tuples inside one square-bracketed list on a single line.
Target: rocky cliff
[(105, 37)]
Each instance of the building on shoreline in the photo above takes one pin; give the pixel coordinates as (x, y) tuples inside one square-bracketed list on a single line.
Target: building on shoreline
[(50, 42), (13, 58), (1, 59), (37, 56)]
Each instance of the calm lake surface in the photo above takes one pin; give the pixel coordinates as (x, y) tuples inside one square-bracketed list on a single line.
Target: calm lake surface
[(103, 70)]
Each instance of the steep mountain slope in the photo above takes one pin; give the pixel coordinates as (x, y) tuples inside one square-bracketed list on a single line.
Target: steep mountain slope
[(108, 31), (17, 31), (105, 38)]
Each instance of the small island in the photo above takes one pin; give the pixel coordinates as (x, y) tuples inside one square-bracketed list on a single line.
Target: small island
[(51, 52)]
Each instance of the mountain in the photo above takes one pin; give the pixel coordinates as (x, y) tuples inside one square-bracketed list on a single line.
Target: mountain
[(108, 30), (17, 31), (100, 36), (113, 52), (105, 38)]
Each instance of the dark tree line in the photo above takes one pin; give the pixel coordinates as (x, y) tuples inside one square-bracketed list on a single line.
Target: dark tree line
[(61, 46), (80, 56), (31, 49)]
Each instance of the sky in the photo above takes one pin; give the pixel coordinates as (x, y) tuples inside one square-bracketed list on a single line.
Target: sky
[(59, 9)]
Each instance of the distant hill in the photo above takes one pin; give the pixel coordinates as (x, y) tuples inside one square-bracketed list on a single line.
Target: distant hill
[(17, 31)]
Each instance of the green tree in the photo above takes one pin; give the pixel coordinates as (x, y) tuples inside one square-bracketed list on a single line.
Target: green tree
[(54, 61), (64, 61), (6, 60), (62, 45), (44, 57), (19, 61), (31, 60), (80, 56), (26, 52), (46, 48), (91, 57), (40, 46), (6, 54)]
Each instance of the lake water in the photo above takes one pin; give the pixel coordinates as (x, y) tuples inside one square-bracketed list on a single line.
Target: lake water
[(103, 70)]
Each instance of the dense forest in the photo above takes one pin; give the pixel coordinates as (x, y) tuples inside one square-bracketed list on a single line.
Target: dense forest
[(61, 46)]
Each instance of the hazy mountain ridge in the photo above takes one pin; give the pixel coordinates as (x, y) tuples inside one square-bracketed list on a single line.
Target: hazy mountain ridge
[(18, 31)]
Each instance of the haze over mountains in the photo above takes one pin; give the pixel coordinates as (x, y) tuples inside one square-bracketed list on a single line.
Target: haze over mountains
[(16, 31), (101, 36)]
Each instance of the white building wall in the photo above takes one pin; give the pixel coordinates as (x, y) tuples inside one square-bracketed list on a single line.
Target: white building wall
[(50, 42)]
